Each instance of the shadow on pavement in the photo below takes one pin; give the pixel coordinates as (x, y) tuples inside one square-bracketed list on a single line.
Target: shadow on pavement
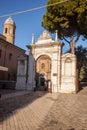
[(82, 85), (9, 105)]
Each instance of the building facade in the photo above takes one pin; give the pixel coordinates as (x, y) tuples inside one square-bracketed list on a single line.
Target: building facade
[(9, 52), (47, 68)]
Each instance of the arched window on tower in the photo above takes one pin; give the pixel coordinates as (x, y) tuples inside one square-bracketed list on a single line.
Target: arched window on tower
[(13, 32), (6, 30), (50, 66)]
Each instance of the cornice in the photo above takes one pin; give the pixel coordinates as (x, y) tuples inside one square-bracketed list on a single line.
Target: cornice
[(5, 43), (51, 44)]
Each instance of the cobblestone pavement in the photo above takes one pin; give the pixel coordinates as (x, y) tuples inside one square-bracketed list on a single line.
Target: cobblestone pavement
[(43, 111)]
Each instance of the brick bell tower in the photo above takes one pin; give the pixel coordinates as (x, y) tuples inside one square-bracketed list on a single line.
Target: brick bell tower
[(9, 30)]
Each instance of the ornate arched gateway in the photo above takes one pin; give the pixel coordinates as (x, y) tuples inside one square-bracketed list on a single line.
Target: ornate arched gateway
[(47, 54), (47, 67)]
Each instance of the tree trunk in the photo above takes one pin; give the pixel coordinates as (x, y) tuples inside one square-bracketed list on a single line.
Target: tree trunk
[(72, 47)]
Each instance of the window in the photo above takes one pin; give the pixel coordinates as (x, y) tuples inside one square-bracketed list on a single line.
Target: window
[(0, 53), (10, 56), (22, 62), (13, 32), (6, 30), (50, 66), (42, 66)]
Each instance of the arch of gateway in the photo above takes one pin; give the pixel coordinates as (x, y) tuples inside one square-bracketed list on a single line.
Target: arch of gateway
[(46, 67)]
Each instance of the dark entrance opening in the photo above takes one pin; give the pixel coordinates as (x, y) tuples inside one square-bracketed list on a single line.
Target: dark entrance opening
[(42, 81)]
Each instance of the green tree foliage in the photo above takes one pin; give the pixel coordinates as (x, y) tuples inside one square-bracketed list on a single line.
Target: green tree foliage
[(81, 54), (69, 18)]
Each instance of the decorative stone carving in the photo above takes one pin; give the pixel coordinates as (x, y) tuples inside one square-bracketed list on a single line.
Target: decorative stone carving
[(44, 35)]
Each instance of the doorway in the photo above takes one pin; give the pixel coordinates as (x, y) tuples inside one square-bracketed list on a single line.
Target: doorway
[(43, 72)]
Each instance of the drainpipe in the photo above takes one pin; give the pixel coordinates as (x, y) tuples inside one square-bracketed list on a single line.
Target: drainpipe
[(4, 64)]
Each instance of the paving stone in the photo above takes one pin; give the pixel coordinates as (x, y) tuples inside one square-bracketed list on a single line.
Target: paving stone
[(39, 110)]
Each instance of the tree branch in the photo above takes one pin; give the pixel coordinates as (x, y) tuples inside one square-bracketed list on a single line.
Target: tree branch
[(66, 40), (77, 38)]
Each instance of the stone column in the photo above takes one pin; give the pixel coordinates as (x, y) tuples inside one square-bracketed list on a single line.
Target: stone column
[(54, 70), (21, 73), (31, 72), (59, 67)]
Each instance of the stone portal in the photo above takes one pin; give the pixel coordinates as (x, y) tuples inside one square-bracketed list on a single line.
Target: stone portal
[(43, 71), (48, 68)]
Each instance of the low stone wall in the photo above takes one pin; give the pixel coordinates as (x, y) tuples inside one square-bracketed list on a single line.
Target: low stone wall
[(7, 84)]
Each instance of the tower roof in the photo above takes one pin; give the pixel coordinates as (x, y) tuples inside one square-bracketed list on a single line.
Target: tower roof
[(9, 21)]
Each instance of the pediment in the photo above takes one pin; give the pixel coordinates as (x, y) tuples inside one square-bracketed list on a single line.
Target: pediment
[(68, 55), (44, 35)]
